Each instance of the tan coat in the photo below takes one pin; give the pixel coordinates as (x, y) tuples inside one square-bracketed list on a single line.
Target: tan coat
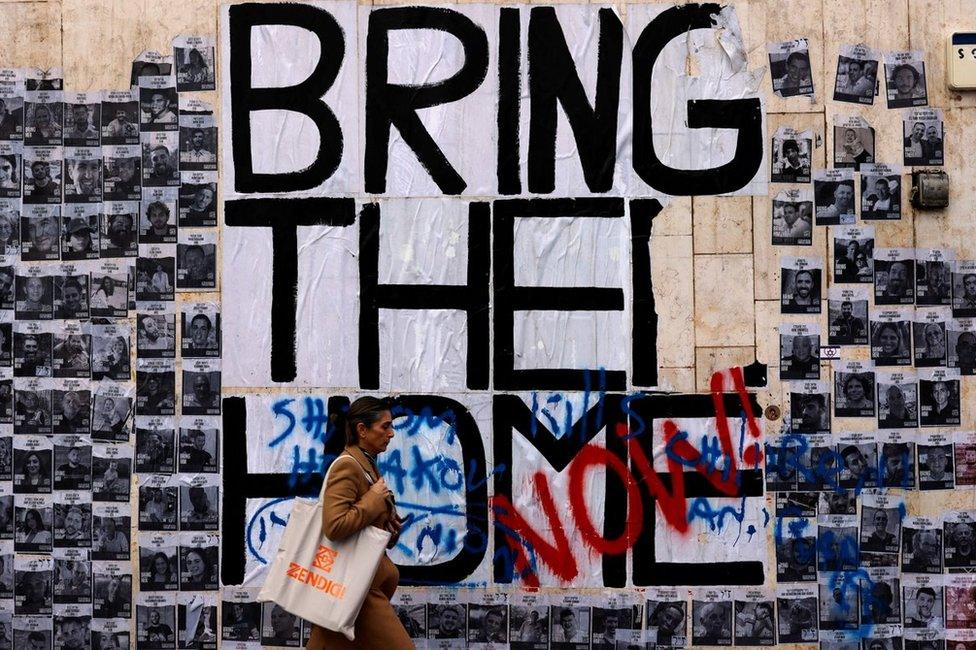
[(347, 507)]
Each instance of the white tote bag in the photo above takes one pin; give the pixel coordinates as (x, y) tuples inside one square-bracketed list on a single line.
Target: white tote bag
[(320, 580)]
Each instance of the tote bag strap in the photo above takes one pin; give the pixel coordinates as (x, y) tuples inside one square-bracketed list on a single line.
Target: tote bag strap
[(325, 481)]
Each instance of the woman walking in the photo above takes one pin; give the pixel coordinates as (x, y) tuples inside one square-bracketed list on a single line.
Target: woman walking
[(355, 497)]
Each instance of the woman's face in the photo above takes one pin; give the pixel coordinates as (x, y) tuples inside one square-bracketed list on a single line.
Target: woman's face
[(160, 565), (118, 348), (195, 565), (932, 133), (42, 117), (854, 391), (30, 520), (933, 337), (889, 341), (33, 465), (375, 438), (849, 136), (6, 229)]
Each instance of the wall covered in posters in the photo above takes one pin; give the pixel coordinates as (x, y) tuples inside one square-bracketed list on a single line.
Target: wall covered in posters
[(676, 365)]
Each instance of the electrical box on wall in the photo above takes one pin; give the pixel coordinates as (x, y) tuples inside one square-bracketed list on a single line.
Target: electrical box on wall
[(961, 60)]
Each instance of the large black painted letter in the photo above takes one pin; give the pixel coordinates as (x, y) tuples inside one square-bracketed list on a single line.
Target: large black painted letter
[(744, 115), (304, 97)]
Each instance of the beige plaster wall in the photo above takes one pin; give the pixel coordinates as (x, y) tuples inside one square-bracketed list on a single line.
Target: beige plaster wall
[(716, 275)]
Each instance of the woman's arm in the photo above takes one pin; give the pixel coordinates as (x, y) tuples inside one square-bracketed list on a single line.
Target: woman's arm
[(344, 512)]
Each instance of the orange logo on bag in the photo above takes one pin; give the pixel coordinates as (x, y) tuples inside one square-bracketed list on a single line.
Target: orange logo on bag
[(300, 574), (325, 557)]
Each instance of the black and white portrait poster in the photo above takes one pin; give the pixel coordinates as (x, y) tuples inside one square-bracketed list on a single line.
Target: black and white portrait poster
[(122, 168), (939, 397), (801, 280), (193, 58), (199, 502), (881, 519), (112, 473), (410, 608), (799, 351), (897, 399), (149, 63), (959, 540), (905, 75), (881, 192), (82, 175), (120, 117), (853, 254), (896, 459), (924, 136), (156, 272), (488, 621), (891, 339), (853, 141), (42, 179), (241, 614), (935, 461), (854, 384), (857, 74), (964, 288), (921, 548), (810, 406), (79, 232), (847, 315), (791, 156), (792, 217), (82, 118), (933, 277), (156, 620), (789, 66), (196, 260), (754, 617), (40, 232), (929, 336), (198, 199), (110, 634), (796, 613), (156, 331), (198, 140), (961, 335), (158, 561), (72, 576), (894, 276), (711, 612), (200, 324), (118, 236), (858, 454), (196, 615), (833, 191)]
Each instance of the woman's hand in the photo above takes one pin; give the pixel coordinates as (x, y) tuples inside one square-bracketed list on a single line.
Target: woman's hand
[(393, 525), (379, 487)]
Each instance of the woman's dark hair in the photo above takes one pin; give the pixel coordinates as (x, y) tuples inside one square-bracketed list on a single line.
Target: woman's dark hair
[(165, 558), (365, 410), (202, 554), (36, 516), (40, 461)]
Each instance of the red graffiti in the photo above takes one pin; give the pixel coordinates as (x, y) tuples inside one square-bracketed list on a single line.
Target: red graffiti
[(557, 555)]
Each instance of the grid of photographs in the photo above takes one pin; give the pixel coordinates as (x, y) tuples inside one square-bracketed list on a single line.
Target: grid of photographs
[(109, 375)]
